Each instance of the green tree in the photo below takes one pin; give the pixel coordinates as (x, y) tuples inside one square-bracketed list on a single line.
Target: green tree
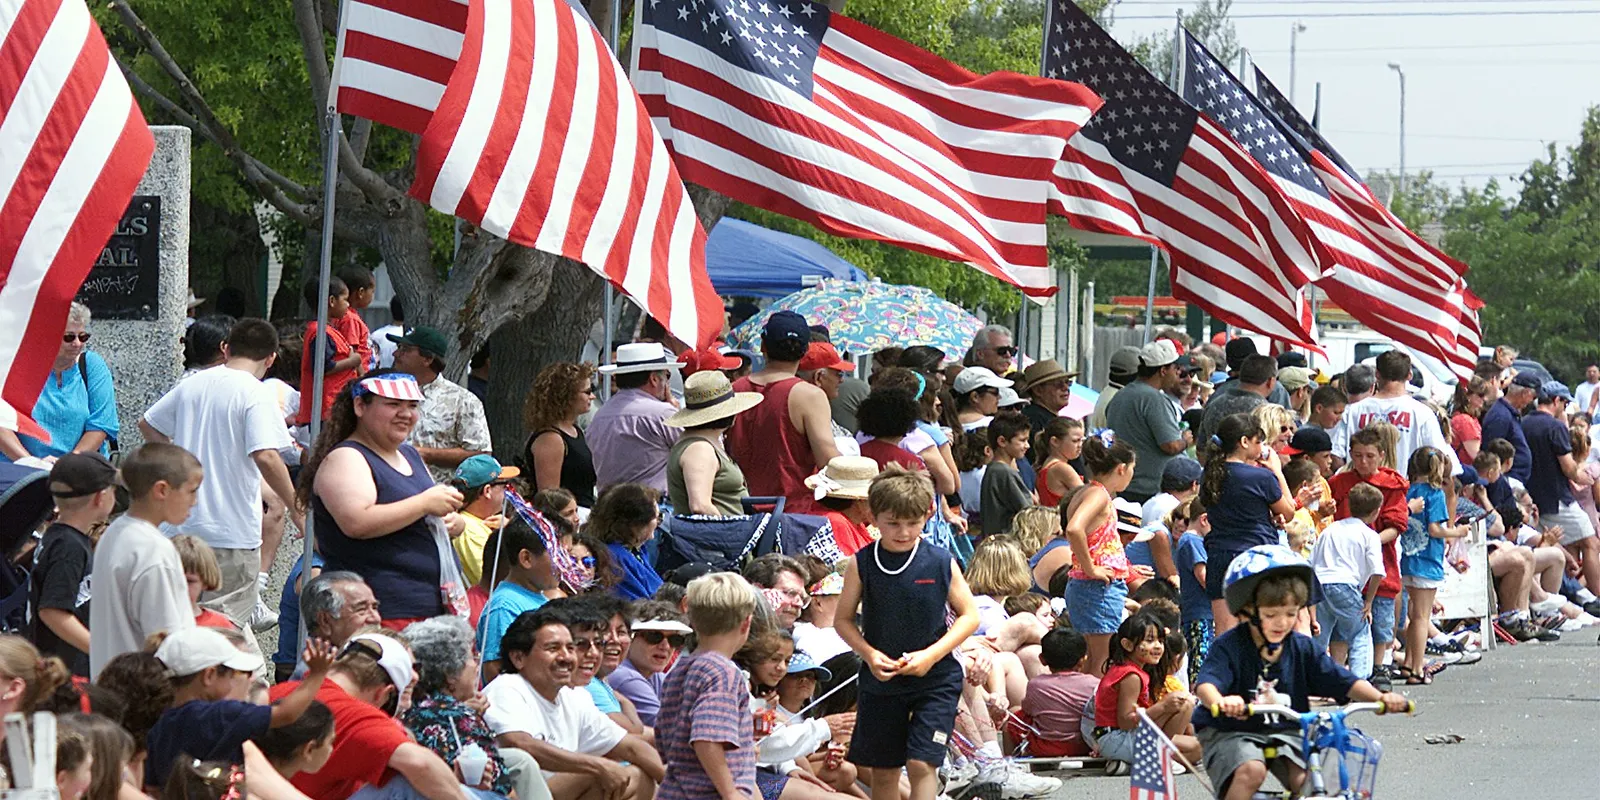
[(1535, 254)]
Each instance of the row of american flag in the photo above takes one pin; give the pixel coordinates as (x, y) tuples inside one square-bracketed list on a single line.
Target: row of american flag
[(531, 129)]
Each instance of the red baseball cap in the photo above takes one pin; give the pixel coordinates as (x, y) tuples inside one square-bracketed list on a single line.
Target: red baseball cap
[(822, 355), (709, 358)]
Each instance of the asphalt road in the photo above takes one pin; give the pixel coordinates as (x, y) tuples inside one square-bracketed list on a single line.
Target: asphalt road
[(1529, 717)]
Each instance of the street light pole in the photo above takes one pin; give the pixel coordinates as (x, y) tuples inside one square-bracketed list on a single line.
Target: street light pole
[(1294, 32), (1398, 71)]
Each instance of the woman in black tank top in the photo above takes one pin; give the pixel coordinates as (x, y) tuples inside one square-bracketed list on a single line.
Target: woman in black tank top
[(556, 454)]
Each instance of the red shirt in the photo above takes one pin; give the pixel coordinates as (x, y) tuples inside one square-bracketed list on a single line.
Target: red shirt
[(356, 333), (1393, 514), (364, 740), (332, 383), (885, 454), (776, 456), (849, 536), (477, 598), (212, 619)]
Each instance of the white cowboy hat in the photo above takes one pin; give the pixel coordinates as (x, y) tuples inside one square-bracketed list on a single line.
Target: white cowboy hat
[(641, 357)]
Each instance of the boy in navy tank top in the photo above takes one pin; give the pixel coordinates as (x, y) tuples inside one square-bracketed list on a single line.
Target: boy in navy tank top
[(905, 589)]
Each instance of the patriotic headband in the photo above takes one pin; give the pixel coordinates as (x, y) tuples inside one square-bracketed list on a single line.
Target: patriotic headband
[(392, 386)]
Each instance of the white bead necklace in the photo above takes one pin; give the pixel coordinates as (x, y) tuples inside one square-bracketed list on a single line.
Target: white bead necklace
[(879, 561)]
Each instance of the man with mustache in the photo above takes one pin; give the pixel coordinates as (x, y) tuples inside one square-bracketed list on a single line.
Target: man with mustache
[(533, 707)]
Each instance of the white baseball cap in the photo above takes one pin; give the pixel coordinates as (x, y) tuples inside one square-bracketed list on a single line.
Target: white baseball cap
[(393, 657), (662, 625), (194, 650), (1158, 353), (974, 378)]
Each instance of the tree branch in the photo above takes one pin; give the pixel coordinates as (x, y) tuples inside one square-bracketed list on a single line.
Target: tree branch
[(308, 24), (360, 135), (269, 182)]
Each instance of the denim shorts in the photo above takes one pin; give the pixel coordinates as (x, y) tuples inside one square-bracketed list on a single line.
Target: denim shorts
[(1382, 620), (1095, 607), (1116, 745), (1340, 613)]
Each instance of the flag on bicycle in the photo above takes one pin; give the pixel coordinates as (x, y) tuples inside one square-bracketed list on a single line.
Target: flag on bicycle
[(786, 106), (1151, 167), (1416, 268), (393, 58), (73, 146), (1151, 776), (540, 139), (1365, 270)]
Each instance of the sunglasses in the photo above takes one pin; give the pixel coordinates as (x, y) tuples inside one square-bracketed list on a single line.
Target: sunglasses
[(587, 644), (68, 337), (677, 640), (1005, 352), (587, 561)]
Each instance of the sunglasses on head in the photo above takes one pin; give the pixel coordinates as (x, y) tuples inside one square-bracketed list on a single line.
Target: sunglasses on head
[(677, 640), (68, 337)]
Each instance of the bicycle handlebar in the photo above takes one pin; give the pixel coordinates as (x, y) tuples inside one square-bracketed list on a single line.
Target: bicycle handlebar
[(1252, 709)]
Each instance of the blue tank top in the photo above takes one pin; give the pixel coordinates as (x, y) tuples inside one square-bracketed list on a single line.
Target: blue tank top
[(906, 611), (1053, 544), (401, 567)]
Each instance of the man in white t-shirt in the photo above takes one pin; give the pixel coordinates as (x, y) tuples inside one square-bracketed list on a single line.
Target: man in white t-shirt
[(1586, 398), (536, 710), (233, 425), (1418, 425), (382, 346)]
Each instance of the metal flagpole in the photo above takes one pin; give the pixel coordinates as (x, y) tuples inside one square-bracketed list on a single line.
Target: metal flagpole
[(330, 180), (1316, 296), (1155, 253), (613, 34)]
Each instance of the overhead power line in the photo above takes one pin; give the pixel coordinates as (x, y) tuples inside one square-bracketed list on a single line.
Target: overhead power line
[(1370, 14)]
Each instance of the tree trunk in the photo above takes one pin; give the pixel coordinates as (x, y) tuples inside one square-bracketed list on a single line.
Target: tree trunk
[(520, 349)]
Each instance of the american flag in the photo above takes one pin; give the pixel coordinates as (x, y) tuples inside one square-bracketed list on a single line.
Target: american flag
[(73, 146), (1150, 167), (783, 105), (394, 58), (566, 566), (1364, 273), (539, 139), (1151, 775), (1416, 262)]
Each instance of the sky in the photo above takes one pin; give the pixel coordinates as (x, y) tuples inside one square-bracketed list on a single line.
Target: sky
[(1488, 84)]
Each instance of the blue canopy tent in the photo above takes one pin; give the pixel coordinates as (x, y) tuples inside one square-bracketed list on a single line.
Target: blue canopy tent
[(747, 260)]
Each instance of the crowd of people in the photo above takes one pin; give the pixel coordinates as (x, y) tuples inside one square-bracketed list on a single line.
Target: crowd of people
[(984, 577)]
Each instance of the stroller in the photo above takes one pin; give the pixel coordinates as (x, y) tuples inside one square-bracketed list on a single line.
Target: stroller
[(728, 543), (25, 502)]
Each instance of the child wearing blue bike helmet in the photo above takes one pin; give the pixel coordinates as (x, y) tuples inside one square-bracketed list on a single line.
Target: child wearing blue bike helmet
[(1264, 660)]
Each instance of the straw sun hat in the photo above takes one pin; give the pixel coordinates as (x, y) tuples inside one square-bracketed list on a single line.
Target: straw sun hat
[(845, 477), (708, 397)]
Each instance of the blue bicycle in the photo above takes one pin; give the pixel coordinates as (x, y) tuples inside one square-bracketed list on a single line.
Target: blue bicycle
[(1334, 752)]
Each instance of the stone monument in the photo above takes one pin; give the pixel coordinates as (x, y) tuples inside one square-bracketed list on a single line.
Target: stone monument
[(142, 344)]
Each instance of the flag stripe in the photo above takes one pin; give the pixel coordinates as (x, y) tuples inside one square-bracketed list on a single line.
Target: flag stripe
[(73, 146), (394, 58), (532, 117)]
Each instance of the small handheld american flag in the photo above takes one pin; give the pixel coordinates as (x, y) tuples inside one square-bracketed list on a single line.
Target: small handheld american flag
[(1152, 777), (566, 566)]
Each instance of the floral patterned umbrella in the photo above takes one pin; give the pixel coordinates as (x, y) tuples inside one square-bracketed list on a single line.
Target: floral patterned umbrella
[(867, 317)]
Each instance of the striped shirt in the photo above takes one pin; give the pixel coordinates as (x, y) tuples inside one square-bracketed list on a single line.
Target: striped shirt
[(705, 699)]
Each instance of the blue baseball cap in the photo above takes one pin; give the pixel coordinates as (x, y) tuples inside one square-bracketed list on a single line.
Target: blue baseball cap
[(482, 470), (801, 663), (785, 325), (1554, 390)]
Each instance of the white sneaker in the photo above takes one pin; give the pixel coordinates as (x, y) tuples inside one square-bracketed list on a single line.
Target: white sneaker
[(263, 618), (1017, 782), (1551, 603)]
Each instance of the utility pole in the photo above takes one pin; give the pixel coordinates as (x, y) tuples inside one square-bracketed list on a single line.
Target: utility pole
[(1294, 33), (1401, 183)]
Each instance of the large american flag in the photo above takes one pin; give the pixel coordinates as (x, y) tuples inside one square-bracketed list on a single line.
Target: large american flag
[(536, 137), (1151, 774), (783, 105), (1364, 272), (73, 146), (1150, 167), (394, 57), (1416, 263)]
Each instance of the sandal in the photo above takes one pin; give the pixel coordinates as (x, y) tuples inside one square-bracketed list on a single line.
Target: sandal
[(1401, 671), (1419, 680)]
